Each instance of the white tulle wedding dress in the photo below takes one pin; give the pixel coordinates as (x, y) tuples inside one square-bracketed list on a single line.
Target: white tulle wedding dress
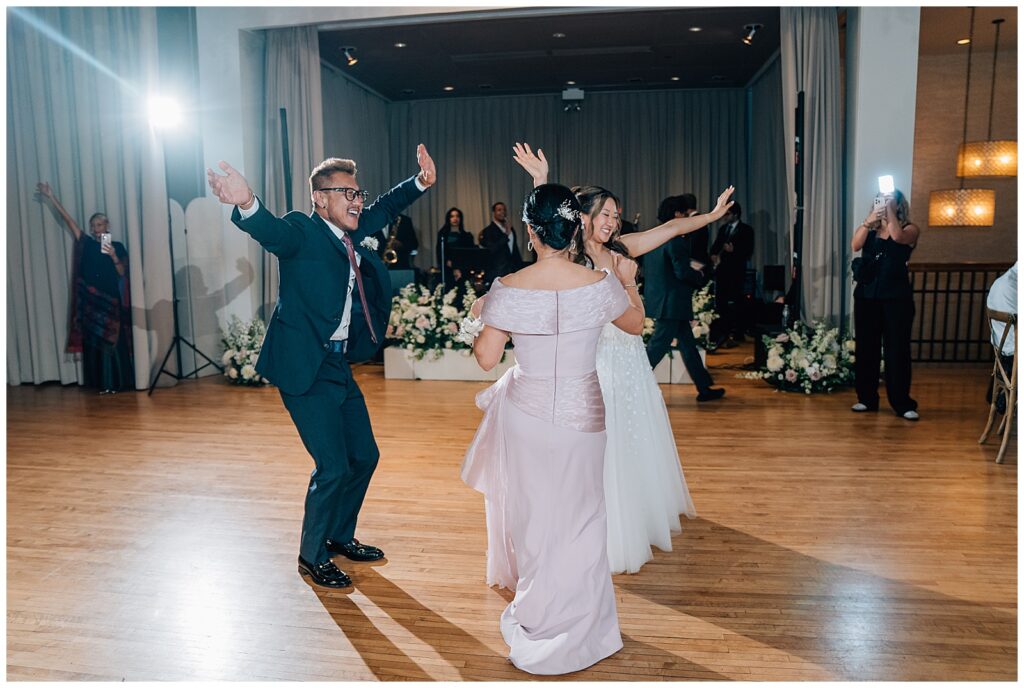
[(645, 490)]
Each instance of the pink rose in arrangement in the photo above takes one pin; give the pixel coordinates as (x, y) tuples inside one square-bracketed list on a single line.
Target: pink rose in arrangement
[(400, 331), (814, 375), (791, 375), (453, 328), (782, 338), (422, 323)]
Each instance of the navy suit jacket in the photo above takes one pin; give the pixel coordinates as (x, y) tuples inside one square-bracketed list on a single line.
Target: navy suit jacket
[(314, 273), (669, 280)]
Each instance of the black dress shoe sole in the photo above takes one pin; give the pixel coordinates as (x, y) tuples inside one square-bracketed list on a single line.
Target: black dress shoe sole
[(324, 583), (359, 557)]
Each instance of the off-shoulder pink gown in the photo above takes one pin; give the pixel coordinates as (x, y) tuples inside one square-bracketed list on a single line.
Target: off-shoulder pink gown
[(538, 457)]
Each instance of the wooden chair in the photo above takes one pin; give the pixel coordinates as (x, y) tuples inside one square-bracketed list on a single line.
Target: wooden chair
[(1003, 381)]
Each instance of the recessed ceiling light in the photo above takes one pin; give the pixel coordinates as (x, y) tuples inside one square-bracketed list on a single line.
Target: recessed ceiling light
[(570, 83), (695, 29), (407, 91), (963, 41), (449, 88), (400, 45), (486, 86), (558, 34), (634, 80), (675, 78)]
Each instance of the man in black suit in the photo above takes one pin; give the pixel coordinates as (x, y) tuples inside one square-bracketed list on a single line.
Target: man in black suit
[(671, 274), (332, 308), (499, 238), (733, 247)]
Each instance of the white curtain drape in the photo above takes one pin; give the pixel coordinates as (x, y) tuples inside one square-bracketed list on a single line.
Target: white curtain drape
[(292, 73), (356, 127), (642, 146), (810, 63), (77, 81), (769, 211)]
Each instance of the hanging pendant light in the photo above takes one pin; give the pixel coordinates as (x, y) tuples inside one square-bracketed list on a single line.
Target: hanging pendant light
[(963, 207), (989, 158)]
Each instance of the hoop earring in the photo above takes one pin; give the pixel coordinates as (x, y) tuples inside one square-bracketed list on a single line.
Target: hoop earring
[(529, 244)]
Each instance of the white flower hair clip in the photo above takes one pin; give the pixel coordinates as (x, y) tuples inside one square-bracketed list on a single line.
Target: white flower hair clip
[(370, 243), (568, 212)]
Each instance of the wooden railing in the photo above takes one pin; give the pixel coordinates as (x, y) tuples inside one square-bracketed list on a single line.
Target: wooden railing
[(950, 323)]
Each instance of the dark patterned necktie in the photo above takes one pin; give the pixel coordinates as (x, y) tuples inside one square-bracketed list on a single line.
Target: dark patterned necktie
[(359, 282)]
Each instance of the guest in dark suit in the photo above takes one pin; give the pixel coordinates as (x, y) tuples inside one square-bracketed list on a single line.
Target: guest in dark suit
[(672, 274), (332, 308), (733, 247), (499, 238), (452, 234), (701, 239)]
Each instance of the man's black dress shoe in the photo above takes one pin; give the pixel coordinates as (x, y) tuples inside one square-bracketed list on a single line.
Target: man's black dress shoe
[(710, 394), (326, 574), (355, 550)]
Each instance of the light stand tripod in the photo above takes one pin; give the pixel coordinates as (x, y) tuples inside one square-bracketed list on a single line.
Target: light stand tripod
[(178, 340)]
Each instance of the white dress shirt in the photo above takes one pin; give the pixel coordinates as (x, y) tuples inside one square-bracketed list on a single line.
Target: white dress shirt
[(1002, 296)]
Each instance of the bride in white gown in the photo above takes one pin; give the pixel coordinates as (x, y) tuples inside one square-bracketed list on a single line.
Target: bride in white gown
[(645, 489)]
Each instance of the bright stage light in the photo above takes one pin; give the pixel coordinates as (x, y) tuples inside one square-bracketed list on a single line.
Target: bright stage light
[(164, 113)]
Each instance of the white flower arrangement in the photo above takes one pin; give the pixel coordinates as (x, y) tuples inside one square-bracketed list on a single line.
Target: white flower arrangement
[(242, 344), (703, 315), (808, 359), (370, 243), (424, 322)]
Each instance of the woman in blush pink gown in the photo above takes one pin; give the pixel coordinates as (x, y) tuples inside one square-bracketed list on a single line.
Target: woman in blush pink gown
[(538, 455)]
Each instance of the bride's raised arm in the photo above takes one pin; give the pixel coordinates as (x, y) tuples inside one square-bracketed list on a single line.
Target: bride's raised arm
[(535, 165), (640, 243)]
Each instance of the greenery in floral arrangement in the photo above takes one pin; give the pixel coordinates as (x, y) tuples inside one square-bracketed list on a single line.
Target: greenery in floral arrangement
[(425, 322), (807, 358), (242, 344), (703, 314)]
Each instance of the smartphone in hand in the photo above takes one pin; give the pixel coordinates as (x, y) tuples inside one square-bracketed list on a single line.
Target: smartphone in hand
[(106, 240)]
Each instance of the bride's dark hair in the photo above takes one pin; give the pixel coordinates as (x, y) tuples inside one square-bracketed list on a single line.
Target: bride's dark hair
[(554, 213)]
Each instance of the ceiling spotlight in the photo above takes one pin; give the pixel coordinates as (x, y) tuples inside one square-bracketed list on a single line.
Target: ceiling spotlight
[(449, 88), (751, 29), (674, 78), (558, 34), (350, 59), (695, 29), (400, 45), (570, 83), (963, 41)]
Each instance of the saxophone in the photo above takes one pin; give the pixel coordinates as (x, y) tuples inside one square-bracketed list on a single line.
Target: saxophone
[(391, 249)]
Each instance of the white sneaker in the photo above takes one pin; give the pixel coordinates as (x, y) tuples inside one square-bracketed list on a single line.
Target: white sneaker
[(859, 407), (911, 415)]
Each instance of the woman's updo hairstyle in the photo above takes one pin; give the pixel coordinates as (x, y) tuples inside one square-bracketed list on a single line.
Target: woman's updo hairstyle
[(554, 213)]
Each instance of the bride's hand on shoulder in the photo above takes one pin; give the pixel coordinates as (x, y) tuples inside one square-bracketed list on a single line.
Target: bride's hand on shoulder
[(625, 269), (477, 307)]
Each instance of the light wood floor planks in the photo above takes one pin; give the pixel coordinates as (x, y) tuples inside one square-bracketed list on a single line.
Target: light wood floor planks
[(155, 539)]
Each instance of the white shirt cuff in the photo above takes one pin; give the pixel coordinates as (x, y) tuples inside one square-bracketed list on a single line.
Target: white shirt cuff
[(246, 214), (419, 184)]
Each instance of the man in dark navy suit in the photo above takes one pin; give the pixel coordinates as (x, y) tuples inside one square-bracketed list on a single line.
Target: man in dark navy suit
[(332, 309)]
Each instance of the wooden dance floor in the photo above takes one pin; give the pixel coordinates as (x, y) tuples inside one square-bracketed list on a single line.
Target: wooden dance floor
[(154, 538)]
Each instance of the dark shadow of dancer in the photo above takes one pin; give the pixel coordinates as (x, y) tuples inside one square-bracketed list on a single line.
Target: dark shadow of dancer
[(852, 624), (159, 318), (382, 657)]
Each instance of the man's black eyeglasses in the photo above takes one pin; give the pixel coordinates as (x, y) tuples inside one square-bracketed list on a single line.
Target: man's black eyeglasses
[(350, 193)]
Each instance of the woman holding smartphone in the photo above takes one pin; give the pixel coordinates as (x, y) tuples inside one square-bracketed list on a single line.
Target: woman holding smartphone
[(100, 306), (883, 304)]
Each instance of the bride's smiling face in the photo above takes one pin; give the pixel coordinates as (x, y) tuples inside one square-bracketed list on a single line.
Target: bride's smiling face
[(604, 224)]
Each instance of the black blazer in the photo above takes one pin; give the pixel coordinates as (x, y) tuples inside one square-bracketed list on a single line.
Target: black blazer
[(314, 273), (670, 280), (500, 261), (734, 265)]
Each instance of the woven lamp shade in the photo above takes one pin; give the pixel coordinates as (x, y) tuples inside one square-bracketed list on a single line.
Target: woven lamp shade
[(987, 159), (962, 208)]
